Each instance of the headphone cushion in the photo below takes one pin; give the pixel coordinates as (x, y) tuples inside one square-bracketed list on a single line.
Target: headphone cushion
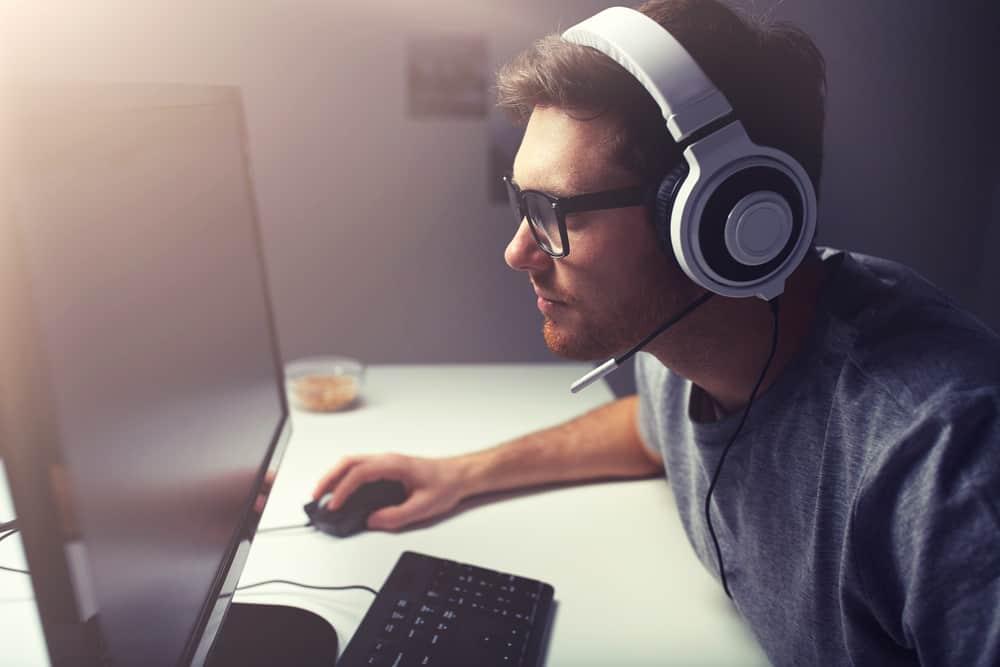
[(666, 193)]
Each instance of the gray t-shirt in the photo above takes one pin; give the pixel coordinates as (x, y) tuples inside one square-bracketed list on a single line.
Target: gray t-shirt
[(858, 512)]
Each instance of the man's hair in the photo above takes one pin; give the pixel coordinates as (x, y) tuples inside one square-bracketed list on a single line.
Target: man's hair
[(772, 74)]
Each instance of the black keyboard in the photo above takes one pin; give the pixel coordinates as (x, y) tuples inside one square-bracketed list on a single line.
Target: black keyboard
[(440, 613)]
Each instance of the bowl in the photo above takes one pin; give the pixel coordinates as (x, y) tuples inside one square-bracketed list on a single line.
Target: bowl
[(324, 384)]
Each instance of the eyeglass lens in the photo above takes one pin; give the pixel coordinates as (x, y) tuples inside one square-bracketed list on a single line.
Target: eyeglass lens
[(541, 216)]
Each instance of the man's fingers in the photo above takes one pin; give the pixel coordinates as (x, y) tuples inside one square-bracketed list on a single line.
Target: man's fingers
[(330, 479), (354, 478), (395, 517)]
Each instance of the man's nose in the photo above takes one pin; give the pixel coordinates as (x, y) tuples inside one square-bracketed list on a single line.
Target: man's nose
[(523, 253)]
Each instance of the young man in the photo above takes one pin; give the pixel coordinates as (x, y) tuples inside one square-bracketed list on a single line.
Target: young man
[(857, 518)]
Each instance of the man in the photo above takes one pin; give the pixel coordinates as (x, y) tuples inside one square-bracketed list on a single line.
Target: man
[(857, 518)]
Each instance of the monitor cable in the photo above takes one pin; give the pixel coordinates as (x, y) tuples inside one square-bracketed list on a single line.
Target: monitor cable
[(718, 466)]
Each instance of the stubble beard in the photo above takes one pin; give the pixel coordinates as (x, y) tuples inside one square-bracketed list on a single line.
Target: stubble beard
[(614, 334), (582, 347)]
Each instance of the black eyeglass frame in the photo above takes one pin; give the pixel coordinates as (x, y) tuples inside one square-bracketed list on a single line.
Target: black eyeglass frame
[(636, 195)]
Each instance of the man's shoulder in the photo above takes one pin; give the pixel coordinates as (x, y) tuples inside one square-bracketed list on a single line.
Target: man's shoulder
[(905, 336)]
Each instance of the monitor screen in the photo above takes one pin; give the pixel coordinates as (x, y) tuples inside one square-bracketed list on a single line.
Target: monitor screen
[(143, 405)]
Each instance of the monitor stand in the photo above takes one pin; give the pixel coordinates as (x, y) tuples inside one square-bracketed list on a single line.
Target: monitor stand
[(267, 634)]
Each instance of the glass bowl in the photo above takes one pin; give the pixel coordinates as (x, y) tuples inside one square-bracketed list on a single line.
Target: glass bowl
[(324, 384)]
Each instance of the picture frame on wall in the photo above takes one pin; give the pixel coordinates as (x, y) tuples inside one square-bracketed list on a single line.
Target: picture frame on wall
[(448, 76)]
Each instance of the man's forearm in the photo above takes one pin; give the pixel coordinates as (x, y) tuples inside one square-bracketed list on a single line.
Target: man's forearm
[(603, 443)]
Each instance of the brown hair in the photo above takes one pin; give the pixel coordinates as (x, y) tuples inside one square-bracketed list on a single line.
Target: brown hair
[(772, 74)]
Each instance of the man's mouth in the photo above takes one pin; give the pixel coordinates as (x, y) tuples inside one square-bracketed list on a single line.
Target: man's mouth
[(545, 295), (547, 303)]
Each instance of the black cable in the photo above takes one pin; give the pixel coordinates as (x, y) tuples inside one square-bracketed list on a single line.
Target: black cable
[(688, 309), (3, 537), (242, 588), (318, 588), (718, 466), (13, 569), (277, 528), (8, 525)]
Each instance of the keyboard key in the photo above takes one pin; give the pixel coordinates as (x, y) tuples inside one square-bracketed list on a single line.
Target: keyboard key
[(382, 647)]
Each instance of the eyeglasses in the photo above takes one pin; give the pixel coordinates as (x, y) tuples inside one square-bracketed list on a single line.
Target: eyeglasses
[(546, 215)]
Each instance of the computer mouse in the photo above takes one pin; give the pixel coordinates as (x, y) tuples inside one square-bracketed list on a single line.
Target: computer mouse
[(352, 516)]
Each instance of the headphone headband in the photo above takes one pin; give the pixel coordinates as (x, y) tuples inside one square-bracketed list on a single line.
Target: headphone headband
[(688, 99), (739, 217)]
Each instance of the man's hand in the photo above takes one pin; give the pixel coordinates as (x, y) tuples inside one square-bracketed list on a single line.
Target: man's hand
[(601, 444), (434, 486)]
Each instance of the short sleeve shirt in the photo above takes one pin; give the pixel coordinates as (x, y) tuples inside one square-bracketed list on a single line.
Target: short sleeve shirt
[(858, 512)]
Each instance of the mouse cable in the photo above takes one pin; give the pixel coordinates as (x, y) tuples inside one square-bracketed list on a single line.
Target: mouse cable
[(4, 568), (9, 525), (318, 588), (3, 537), (718, 466), (239, 588), (277, 528)]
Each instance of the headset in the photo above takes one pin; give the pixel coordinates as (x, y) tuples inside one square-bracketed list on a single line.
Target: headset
[(738, 216)]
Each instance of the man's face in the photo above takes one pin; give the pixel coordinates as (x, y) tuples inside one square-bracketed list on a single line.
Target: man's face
[(615, 286)]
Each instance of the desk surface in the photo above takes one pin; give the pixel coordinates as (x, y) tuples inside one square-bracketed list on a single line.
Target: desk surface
[(628, 588)]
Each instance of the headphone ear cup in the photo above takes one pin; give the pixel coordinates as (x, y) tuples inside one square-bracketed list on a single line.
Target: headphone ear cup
[(666, 194)]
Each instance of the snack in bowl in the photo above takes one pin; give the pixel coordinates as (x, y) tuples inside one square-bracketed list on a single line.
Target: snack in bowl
[(324, 384)]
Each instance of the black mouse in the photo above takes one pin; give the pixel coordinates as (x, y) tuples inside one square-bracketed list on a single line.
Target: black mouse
[(352, 517)]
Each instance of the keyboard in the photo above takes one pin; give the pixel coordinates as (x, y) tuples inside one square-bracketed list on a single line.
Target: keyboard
[(438, 613)]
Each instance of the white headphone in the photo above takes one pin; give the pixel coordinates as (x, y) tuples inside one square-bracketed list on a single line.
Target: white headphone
[(739, 217)]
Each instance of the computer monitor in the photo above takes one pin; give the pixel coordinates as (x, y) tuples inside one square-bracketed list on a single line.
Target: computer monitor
[(142, 414)]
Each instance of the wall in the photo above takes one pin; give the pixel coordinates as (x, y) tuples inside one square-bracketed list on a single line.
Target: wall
[(378, 234), (911, 140)]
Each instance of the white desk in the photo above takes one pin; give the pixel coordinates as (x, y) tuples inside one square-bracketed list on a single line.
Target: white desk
[(628, 588), (626, 581)]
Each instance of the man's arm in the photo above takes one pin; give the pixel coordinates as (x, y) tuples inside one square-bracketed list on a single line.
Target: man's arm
[(603, 443), (927, 544)]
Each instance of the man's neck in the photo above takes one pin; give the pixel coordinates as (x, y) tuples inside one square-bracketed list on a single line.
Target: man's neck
[(727, 354)]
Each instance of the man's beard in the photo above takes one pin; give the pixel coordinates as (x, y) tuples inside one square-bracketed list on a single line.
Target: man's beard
[(582, 347), (595, 341), (614, 332)]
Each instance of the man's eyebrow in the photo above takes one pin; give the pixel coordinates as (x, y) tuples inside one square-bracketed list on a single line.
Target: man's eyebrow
[(555, 191)]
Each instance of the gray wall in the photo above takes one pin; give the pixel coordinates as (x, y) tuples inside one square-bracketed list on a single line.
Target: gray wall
[(379, 236)]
